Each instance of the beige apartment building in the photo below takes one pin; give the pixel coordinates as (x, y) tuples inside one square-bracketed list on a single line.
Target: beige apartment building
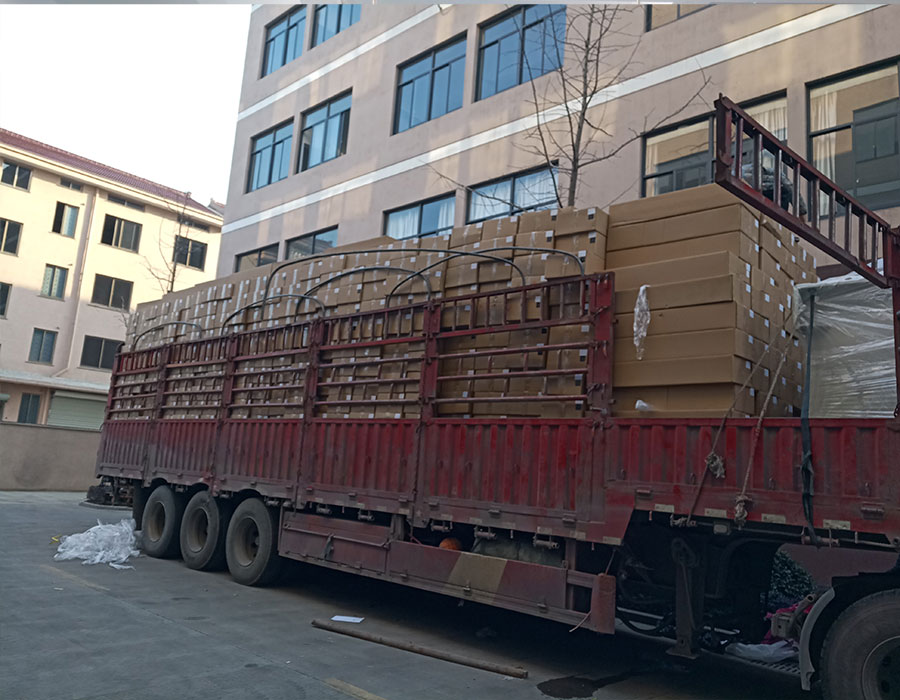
[(401, 120), (81, 244)]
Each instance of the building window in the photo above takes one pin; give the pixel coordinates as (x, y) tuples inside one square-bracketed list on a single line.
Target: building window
[(54, 282), (682, 157), (854, 134), (42, 344), (10, 232), (65, 219), (527, 191), (331, 19), (115, 199), (256, 258), (5, 290), (190, 223), (270, 156), (189, 252), (15, 175), (311, 243), (120, 233), (430, 86), (324, 134), (109, 291), (427, 218), (658, 15), (519, 46), (69, 184), (99, 352), (29, 408), (284, 40)]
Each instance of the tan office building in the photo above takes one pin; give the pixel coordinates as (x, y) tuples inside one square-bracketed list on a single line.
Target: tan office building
[(402, 120), (81, 244)]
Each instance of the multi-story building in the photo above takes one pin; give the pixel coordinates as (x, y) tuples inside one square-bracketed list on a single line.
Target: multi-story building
[(81, 244), (402, 120)]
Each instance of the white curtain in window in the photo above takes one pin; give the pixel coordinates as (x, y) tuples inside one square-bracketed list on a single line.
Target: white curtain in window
[(404, 223), (535, 189), (490, 201), (446, 213), (772, 116), (822, 115)]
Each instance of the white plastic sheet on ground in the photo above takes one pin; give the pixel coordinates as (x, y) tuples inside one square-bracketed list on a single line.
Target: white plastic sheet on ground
[(766, 653), (102, 544), (641, 320)]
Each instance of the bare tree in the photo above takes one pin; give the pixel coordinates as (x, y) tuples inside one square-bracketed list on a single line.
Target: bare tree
[(165, 270), (572, 131)]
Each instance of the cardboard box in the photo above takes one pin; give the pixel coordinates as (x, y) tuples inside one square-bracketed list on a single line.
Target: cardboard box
[(664, 399), (535, 239), (681, 269), (571, 220), (734, 217), (671, 204), (500, 228), (495, 272), (724, 341), (708, 290), (465, 235), (713, 369), (734, 242), (543, 220)]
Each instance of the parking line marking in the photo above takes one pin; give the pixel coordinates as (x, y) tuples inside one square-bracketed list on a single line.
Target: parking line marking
[(351, 690)]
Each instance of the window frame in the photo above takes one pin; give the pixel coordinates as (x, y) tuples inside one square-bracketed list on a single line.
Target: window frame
[(5, 296), (514, 211), (837, 78), (648, 11), (117, 231), (191, 244), (4, 236), (61, 217), (253, 152), (100, 355), (286, 17), (257, 251), (521, 28), (44, 335), (70, 184), (314, 235), (315, 23), (56, 272), (16, 175), (343, 137), (710, 118), (32, 398), (121, 201), (112, 292), (419, 206), (459, 38)]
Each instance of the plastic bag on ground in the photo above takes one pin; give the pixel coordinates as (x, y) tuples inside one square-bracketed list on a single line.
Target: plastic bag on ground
[(101, 544), (766, 653), (641, 320)]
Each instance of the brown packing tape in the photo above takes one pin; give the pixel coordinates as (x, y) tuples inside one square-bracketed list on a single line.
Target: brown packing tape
[(734, 217), (734, 242)]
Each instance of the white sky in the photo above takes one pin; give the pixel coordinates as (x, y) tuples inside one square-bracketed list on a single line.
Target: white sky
[(150, 89)]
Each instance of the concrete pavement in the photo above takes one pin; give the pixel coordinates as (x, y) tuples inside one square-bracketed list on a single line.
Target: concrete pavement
[(164, 631)]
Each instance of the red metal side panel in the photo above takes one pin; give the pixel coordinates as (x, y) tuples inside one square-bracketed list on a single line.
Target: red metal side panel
[(521, 474), (367, 464), (184, 449), (123, 447), (262, 452), (657, 465)]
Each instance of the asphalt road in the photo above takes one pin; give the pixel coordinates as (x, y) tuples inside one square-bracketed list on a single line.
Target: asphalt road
[(163, 631)]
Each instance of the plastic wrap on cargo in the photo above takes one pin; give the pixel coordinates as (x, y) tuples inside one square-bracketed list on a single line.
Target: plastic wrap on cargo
[(641, 320), (109, 544), (852, 369)]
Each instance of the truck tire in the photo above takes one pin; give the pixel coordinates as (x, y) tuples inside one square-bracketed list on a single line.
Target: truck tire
[(251, 544), (138, 503), (861, 654), (203, 528), (161, 523)]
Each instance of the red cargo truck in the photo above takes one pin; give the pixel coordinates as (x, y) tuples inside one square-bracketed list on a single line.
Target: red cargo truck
[(669, 525)]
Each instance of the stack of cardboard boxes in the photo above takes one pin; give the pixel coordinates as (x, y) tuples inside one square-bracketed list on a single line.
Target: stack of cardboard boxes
[(718, 283)]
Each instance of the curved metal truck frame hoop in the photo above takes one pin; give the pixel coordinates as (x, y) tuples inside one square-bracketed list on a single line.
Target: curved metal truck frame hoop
[(269, 300), (164, 325)]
